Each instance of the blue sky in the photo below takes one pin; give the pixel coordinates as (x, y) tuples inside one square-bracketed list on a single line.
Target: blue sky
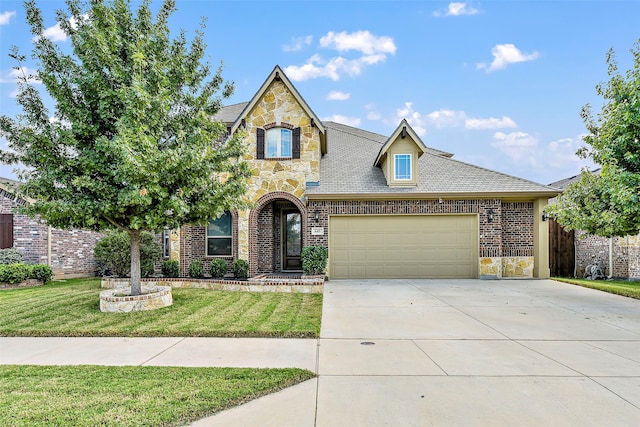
[(498, 83)]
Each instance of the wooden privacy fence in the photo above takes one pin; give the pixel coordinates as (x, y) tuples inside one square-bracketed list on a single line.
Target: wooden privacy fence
[(562, 251)]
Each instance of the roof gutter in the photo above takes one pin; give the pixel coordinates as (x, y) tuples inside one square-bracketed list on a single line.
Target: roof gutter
[(509, 196)]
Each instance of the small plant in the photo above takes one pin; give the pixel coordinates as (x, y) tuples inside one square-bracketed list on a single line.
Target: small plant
[(113, 253), (314, 260), (41, 272), (196, 270), (11, 256), (171, 268), (14, 273), (240, 268), (218, 268)]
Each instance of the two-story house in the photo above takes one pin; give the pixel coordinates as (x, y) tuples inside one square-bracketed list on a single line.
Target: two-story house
[(385, 206)]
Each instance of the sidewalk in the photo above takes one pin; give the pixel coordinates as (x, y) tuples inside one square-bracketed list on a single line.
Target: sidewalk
[(190, 352)]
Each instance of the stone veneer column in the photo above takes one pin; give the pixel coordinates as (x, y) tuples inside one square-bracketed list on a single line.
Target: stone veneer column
[(540, 240), (243, 235)]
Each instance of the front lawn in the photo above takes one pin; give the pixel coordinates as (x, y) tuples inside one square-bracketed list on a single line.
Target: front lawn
[(619, 287), (72, 308), (130, 395)]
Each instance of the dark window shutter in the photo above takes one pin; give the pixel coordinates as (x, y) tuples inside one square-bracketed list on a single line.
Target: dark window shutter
[(296, 144), (6, 231), (260, 144)]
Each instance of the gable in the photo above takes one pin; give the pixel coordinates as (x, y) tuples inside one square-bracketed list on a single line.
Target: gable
[(401, 151)]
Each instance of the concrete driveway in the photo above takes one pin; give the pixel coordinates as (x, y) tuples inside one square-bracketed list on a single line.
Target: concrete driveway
[(465, 352)]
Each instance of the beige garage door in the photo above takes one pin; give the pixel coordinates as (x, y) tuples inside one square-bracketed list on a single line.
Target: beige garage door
[(403, 246)]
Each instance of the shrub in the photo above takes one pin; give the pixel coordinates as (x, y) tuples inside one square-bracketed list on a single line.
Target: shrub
[(196, 270), (11, 256), (240, 268), (113, 252), (14, 273), (314, 260), (171, 268), (218, 268), (41, 272)]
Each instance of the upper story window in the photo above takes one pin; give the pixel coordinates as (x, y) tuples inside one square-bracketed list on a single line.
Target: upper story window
[(219, 236), (402, 167), (278, 143)]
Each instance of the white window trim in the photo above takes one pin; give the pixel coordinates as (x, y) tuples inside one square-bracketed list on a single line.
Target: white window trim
[(395, 172), (278, 143)]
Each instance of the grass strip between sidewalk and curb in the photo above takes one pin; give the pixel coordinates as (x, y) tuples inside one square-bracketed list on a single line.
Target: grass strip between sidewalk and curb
[(618, 287), (72, 309), (130, 395)]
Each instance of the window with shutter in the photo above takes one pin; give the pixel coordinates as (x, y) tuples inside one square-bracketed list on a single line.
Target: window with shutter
[(260, 144), (296, 143)]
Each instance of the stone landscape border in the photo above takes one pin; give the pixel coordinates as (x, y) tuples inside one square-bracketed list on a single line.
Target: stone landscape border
[(151, 298), (260, 283)]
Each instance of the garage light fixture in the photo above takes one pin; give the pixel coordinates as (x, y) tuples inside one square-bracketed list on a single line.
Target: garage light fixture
[(545, 216), (316, 216), (490, 215)]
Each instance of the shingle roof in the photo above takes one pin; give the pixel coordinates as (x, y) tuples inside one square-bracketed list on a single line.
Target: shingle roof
[(564, 183), (230, 113), (348, 168)]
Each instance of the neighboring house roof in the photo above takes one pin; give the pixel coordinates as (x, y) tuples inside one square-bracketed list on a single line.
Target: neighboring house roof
[(10, 186), (347, 171), (564, 183), (230, 113)]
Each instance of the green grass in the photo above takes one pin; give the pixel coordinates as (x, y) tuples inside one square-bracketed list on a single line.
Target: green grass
[(72, 308), (619, 287), (129, 395)]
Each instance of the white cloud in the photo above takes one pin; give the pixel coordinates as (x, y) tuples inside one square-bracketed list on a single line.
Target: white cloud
[(13, 75), (446, 118), (457, 9), (297, 43), (57, 34), (362, 41), (345, 120), (519, 147), (505, 54), (372, 50), (6, 16), (373, 116), (490, 123), (336, 95)]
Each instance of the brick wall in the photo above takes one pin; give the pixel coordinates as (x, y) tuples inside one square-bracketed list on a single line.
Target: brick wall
[(517, 229), (71, 250), (193, 240), (492, 232), (626, 255)]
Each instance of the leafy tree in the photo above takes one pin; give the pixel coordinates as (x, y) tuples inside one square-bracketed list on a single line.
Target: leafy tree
[(132, 144), (608, 204)]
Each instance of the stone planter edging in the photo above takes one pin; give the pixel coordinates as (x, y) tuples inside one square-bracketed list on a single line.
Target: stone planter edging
[(153, 297), (309, 284)]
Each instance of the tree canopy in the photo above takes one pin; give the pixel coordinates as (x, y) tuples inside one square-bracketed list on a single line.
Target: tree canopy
[(132, 143), (608, 204)]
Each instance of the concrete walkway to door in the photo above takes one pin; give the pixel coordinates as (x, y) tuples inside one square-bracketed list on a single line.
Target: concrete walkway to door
[(464, 352)]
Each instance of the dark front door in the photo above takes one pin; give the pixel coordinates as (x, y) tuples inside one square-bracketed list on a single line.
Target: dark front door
[(291, 240)]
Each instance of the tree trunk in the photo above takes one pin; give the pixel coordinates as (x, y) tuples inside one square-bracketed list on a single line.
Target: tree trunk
[(135, 262)]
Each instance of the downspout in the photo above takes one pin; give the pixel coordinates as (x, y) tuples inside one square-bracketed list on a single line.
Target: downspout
[(610, 257), (49, 246)]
